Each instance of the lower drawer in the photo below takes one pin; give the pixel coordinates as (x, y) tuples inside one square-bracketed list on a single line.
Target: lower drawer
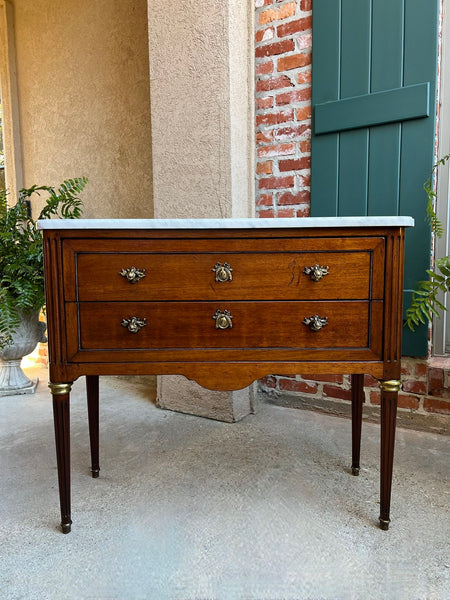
[(197, 325)]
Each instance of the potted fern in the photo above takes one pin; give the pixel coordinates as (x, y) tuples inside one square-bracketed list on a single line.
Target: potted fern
[(425, 302), (22, 275)]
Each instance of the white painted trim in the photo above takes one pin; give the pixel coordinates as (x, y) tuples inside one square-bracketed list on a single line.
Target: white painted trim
[(10, 101), (441, 326)]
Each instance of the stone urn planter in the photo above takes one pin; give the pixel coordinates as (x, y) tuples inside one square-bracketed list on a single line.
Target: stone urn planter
[(13, 380), (22, 292)]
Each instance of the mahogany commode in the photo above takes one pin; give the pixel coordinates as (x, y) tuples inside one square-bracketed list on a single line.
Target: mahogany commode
[(224, 302)]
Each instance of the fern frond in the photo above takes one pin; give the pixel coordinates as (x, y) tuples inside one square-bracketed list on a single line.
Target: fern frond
[(21, 253), (424, 302)]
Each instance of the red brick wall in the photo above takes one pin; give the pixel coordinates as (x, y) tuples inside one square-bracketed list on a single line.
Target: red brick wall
[(283, 107), (425, 389), (283, 44)]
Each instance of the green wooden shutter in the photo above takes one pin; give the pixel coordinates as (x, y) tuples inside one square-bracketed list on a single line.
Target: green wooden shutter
[(373, 96)]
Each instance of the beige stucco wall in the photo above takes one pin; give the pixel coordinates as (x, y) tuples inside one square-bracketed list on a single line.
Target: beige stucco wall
[(84, 100)]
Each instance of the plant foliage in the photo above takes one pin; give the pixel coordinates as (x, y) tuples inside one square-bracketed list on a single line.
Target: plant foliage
[(425, 303), (21, 252)]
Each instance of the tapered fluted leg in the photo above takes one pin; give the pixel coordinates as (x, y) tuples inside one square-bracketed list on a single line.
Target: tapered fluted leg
[(389, 397), (93, 417), (357, 411), (61, 417)]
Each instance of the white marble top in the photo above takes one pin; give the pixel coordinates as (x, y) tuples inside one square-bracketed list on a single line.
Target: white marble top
[(226, 223)]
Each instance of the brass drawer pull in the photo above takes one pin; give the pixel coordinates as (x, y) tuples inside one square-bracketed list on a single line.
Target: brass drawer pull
[(133, 274), (223, 319), (134, 324), (223, 272), (315, 322), (316, 272)]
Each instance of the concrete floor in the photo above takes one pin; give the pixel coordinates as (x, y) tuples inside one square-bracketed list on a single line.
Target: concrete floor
[(191, 509)]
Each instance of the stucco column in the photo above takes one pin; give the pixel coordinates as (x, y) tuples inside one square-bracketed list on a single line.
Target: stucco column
[(201, 87), (10, 103)]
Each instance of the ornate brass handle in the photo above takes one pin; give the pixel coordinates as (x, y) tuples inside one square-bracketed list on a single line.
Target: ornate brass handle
[(223, 272), (133, 274), (134, 324), (315, 322), (223, 319), (316, 272)]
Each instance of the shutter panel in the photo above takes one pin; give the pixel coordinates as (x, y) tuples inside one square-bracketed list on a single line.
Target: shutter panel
[(373, 96)]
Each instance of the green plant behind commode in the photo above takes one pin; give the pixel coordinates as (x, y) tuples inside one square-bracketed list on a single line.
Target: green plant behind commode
[(21, 252), (425, 302)]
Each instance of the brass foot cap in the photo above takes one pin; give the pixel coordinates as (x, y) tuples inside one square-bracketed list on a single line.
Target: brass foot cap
[(384, 524), (355, 471), (66, 527)]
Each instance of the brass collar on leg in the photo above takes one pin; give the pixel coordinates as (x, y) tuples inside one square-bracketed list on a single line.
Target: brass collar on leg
[(58, 389), (391, 385)]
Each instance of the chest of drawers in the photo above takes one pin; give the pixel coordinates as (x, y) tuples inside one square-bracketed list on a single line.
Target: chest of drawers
[(224, 303)]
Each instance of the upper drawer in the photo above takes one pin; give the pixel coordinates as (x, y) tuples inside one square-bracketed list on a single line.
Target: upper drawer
[(218, 273)]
